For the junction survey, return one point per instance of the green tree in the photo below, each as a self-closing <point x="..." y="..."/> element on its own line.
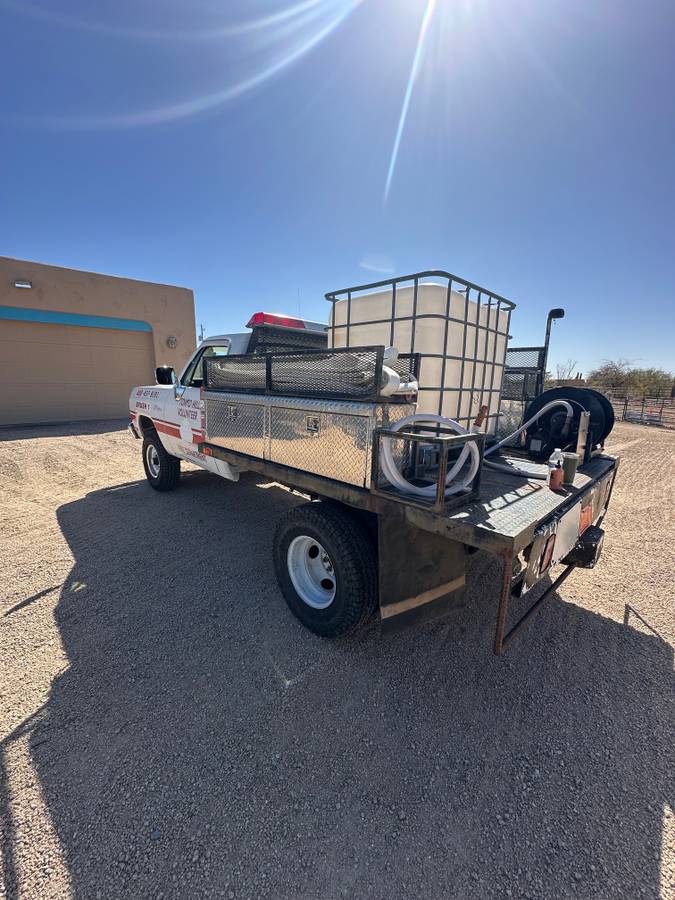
<point x="620" y="377"/>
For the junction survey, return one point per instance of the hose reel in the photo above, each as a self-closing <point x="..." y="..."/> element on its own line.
<point x="550" y="431"/>
<point x="551" y="420"/>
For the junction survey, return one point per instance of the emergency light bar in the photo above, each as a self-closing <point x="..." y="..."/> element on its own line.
<point x="263" y="318"/>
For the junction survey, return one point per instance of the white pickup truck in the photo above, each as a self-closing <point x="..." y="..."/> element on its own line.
<point x="398" y="508"/>
<point x="169" y="415"/>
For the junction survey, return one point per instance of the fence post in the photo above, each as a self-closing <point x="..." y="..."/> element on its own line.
<point x="642" y="414"/>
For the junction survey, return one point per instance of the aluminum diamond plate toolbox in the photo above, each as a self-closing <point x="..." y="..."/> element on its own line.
<point x="238" y="423"/>
<point x="331" y="438"/>
<point x="334" y="445"/>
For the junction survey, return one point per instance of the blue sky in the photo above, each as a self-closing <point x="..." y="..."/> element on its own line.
<point x="243" y="149"/>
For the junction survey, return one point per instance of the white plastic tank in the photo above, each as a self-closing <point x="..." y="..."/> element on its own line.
<point x="474" y="350"/>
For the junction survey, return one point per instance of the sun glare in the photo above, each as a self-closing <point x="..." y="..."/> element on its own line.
<point x="417" y="59"/>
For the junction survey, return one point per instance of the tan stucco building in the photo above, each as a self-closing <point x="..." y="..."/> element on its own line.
<point x="73" y="344"/>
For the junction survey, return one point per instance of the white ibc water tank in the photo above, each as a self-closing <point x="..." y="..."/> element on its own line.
<point x="473" y="351"/>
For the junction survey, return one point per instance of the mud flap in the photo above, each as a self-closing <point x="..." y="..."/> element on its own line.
<point x="421" y="575"/>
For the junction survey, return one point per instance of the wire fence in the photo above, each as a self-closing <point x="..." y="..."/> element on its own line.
<point x="658" y="411"/>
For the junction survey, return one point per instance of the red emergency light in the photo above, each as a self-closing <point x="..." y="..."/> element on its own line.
<point x="263" y="318"/>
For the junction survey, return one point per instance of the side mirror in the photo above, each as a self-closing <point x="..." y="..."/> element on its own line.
<point x="165" y="375"/>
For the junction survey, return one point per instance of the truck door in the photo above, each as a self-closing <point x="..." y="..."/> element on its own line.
<point x="184" y="414"/>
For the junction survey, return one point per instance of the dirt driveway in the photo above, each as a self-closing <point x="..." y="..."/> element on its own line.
<point x="168" y="729"/>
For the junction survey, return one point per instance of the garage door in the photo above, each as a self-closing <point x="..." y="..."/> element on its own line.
<point x="56" y="373"/>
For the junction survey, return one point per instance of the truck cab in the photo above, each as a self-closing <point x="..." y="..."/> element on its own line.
<point x="169" y="415"/>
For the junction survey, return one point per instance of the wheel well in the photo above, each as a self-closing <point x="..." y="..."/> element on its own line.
<point x="145" y="425"/>
<point x="367" y="519"/>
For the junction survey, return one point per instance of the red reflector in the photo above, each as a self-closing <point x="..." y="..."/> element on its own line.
<point x="207" y="451"/>
<point x="263" y="318"/>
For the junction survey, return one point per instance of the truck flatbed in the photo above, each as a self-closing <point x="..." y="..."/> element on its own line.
<point x="502" y="519"/>
<point x="509" y="509"/>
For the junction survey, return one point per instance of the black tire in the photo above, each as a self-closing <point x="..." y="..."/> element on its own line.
<point x="168" y="475"/>
<point x="352" y="554"/>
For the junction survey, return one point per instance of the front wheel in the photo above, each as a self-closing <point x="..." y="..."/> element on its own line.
<point x="326" y="567"/>
<point x="161" y="469"/>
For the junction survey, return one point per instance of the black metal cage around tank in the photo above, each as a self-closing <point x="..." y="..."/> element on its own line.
<point x="484" y="320"/>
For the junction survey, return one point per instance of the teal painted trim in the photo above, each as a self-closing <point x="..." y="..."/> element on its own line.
<point x="52" y="317"/>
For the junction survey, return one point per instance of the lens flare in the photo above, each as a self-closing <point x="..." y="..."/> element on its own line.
<point x="264" y="48"/>
<point x="417" y="59"/>
<point x="66" y="20"/>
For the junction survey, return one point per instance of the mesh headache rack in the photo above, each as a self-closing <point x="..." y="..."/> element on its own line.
<point x="353" y="373"/>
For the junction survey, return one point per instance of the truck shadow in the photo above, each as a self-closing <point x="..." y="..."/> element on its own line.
<point x="201" y="742"/>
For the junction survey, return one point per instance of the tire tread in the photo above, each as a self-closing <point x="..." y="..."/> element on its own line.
<point x="169" y="466"/>
<point x="356" y="564"/>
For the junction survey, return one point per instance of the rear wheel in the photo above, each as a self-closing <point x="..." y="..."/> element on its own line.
<point x="161" y="469"/>
<point x="325" y="563"/>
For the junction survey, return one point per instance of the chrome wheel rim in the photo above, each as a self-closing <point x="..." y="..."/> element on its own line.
<point x="311" y="571"/>
<point x="152" y="459"/>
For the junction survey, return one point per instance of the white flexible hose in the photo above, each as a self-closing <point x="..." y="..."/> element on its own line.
<point x="393" y="475"/>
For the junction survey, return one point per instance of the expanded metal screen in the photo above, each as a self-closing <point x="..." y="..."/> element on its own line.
<point x="272" y="339"/>
<point x="519" y="385"/>
<point x="353" y="374"/>
<point x="407" y="366"/>
<point x="525" y="358"/>
<point x="523" y="381"/>
<point x="236" y="373"/>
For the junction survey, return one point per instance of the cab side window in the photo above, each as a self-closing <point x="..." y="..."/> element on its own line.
<point x="193" y="376"/>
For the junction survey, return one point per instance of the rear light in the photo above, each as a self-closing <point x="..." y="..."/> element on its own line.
<point x="263" y="318"/>
<point x="586" y="518"/>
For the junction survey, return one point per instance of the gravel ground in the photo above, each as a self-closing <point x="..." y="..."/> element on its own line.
<point x="167" y="728"/>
